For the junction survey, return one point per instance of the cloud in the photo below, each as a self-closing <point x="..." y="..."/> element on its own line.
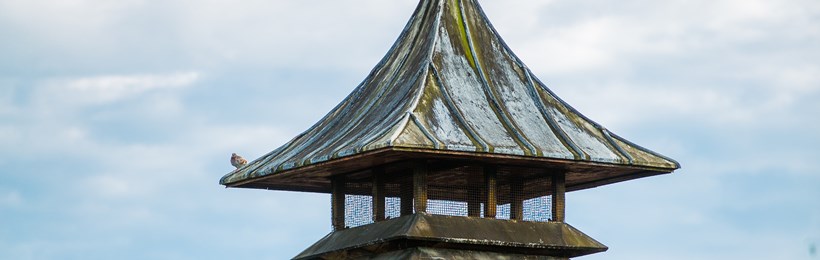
<point x="73" y="113"/>
<point x="716" y="62"/>
<point x="134" y="194"/>
<point x="127" y="35"/>
<point x="110" y="88"/>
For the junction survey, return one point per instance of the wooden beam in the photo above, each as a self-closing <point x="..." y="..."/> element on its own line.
<point x="559" y="189"/>
<point x="490" y="182"/>
<point x="337" y="202"/>
<point x="378" y="194"/>
<point x="517" y="198"/>
<point x="420" y="171"/>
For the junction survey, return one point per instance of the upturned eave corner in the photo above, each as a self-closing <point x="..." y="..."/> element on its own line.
<point x="228" y="179"/>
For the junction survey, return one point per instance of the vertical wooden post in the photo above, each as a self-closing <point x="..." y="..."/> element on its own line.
<point x="406" y="195"/>
<point x="337" y="202"/>
<point x="559" y="190"/>
<point x="475" y="183"/>
<point x="517" y="198"/>
<point x="490" y="172"/>
<point x="378" y="194"/>
<point x="420" y="171"/>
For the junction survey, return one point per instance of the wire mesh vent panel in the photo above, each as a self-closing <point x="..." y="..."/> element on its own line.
<point x="396" y="188"/>
<point x="538" y="208"/>
<point x="521" y="194"/>
<point x="455" y="192"/>
<point x="524" y="194"/>
<point x="358" y="204"/>
<point x="503" y="199"/>
<point x="392" y="207"/>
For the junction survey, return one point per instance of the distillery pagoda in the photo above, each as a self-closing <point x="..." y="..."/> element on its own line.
<point x="450" y="148"/>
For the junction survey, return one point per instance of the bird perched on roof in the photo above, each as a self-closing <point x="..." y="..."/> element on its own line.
<point x="237" y="161"/>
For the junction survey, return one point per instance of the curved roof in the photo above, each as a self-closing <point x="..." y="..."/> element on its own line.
<point x="451" y="85"/>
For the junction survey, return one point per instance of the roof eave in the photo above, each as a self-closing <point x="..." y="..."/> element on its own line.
<point x="315" y="177"/>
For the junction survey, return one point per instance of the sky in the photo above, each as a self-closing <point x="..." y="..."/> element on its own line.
<point x="117" y="119"/>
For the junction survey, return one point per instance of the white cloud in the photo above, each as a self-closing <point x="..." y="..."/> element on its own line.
<point x="285" y="34"/>
<point x="110" y="88"/>
<point x="589" y="36"/>
<point x="146" y="171"/>
<point x="210" y="33"/>
<point x="578" y="47"/>
<point x="725" y="62"/>
<point x="65" y="114"/>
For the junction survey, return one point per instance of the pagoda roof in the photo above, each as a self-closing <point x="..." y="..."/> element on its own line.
<point x="450" y="87"/>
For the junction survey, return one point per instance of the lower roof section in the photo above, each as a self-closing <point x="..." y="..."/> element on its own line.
<point x="447" y="235"/>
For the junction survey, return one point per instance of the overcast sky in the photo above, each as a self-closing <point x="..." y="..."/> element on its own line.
<point x="117" y="119"/>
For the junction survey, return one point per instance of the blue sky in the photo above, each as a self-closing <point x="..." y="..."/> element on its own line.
<point x="117" y="119"/>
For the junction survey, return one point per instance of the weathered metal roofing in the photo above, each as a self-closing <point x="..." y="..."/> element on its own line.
<point x="451" y="85"/>
<point x="477" y="235"/>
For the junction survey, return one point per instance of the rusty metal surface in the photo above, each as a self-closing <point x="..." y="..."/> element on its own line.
<point x="477" y="234"/>
<point x="450" y="84"/>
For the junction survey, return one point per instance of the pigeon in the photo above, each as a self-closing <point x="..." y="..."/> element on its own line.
<point x="237" y="161"/>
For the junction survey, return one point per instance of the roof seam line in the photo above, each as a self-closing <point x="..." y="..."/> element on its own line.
<point x="453" y="109"/>
<point x="673" y="161"/>
<point x="357" y="119"/>
<point x="424" y="131"/>
<point x="417" y="98"/>
<point x="421" y="90"/>
<point x="617" y="147"/>
<point x="508" y="124"/>
<point x="562" y="136"/>
<point x="434" y="39"/>
<point x="370" y="139"/>
<point x="402" y="125"/>
<point x="435" y="31"/>
<point x="345" y="106"/>
<point x="423" y="86"/>
<point x="284" y="148"/>
<point x="384" y="87"/>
